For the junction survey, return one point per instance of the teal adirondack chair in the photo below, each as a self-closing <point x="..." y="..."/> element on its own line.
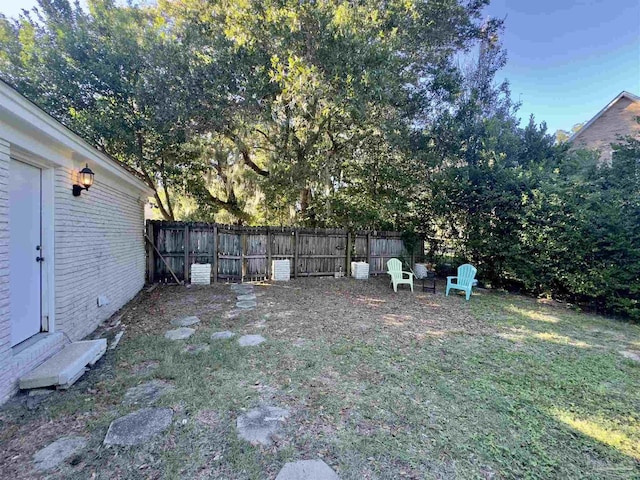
<point x="464" y="281"/>
<point x="394" y="268"/>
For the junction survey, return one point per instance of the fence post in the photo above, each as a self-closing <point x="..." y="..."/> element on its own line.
<point x="187" y="247"/>
<point x="215" y="253"/>
<point x="295" y="253"/>
<point x="369" y="250"/>
<point x="347" y="269"/>
<point x="243" y="252"/>
<point x="268" y="253"/>
<point x="151" y="254"/>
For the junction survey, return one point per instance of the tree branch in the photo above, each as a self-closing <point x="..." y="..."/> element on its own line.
<point x="246" y="157"/>
<point x="247" y="160"/>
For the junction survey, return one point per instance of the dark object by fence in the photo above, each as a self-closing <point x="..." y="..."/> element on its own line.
<point x="239" y="253"/>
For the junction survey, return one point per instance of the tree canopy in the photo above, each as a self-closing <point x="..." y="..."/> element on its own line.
<point x="364" y="114"/>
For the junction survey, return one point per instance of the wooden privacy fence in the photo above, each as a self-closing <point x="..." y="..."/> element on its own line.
<point x="245" y="253"/>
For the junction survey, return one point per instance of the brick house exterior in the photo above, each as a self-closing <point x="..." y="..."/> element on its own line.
<point x="616" y="120"/>
<point x="92" y="244"/>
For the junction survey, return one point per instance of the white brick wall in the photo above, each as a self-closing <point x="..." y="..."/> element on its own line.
<point x="99" y="251"/>
<point x="93" y="245"/>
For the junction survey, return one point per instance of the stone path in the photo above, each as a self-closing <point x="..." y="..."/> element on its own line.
<point x="260" y="424"/>
<point x="251" y="340"/>
<point x="222" y="335"/>
<point x="307" y="470"/>
<point x="246" y="297"/>
<point x="181" y="333"/>
<point x="631" y="354"/>
<point x="146" y="393"/>
<point x="57" y="452"/>
<point x="250" y="297"/>
<point x="138" y="427"/>
<point x="185" y="322"/>
<point x="246" y="304"/>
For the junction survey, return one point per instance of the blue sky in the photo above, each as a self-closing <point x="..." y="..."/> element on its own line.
<point x="566" y="58"/>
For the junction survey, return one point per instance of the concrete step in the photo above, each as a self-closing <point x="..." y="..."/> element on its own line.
<point x="66" y="366"/>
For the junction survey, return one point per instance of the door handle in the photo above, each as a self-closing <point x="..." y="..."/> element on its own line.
<point x="39" y="259"/>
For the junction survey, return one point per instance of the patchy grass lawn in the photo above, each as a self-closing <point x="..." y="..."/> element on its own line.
<point x="380" y="385"/>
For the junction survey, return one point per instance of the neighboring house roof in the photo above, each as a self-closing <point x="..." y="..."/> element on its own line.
<point x="22" y="109"/>
<point x="617" y="120"/>
<point x="623" y="94"/>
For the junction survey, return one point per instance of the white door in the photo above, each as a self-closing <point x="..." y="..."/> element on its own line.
<point x="24" y="250"/>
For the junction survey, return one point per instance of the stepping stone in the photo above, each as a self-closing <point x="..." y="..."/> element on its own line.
<point x="57" y="452"/>
<point x="244" y="292"/>
<point x="147" y="393"/>
<point x="185" y="322"/>
<point x="260" y="424"/>
<point x="307" y="470"/>
<point x="241" y="286"/>
<point x="251" y="297"/>
<point x="181" y="333"/>
<point x="251" y="340"/>
<point x="246" y="304"/>
<point x="194" y="349"/>
<point x="631" y="355"/>
<point x="222" y="335"/>
<point x="138" y="427"/>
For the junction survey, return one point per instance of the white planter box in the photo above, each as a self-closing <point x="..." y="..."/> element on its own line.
<point x="360" y="270"/>
<point x="280" y="270"/>
<point x="201" y="274"/>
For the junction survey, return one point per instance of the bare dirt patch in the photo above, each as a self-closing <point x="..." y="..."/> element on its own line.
<point x="317" y="308"/>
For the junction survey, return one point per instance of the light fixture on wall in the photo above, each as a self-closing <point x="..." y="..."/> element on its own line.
<point x="85" y="180"/>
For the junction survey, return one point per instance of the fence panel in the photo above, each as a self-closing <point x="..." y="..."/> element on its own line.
<point x="255" y="254"/>
<point x="229" y="254"/>
<point x="240" y="253"/>
<point x="170" y="242"/>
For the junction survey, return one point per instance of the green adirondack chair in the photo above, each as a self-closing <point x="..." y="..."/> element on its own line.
<point x="394" y="268"/>
<point x="464" y="281"/>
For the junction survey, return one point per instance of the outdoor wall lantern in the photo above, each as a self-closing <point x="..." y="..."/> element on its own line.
<point x="85" y="180"/>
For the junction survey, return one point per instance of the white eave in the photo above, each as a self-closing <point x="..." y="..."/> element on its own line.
<point x="25" y="116"/>
<point x="630" y="96"/>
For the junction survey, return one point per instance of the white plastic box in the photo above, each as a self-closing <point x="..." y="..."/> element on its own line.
<point x="280" y="270"/>
<point x="360" y="270"/>
<point x="201" y="274"/>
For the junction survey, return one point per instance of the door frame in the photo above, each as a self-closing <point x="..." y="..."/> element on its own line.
<point x="47" y="208"/>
